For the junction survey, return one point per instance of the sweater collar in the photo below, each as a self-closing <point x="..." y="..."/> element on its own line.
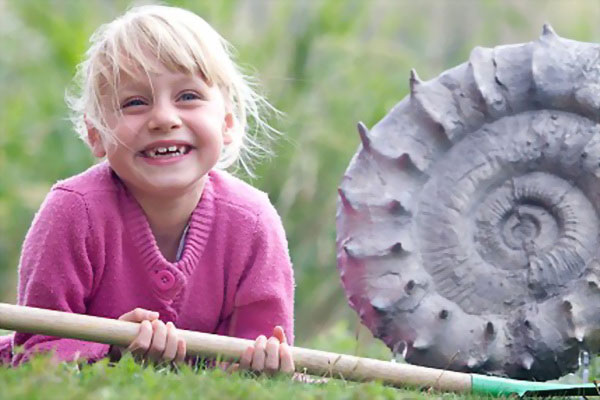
<point x="200" y="225"/>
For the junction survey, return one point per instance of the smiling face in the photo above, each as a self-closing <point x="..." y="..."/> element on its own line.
<point x="169" y="129"/>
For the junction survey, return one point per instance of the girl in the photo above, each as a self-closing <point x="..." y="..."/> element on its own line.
<point x="159" y="233"/>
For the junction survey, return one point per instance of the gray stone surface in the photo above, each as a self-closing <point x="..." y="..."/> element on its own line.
<point x="467" y="224"/>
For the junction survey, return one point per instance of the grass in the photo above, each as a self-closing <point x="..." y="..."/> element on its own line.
<point x="40" y="379"/>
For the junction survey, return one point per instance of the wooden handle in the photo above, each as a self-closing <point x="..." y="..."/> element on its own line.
<point x="321" y="363"/>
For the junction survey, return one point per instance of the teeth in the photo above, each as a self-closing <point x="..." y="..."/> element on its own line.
<point x="171" y="151"/>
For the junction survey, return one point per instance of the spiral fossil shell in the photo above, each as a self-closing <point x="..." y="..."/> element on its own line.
<point x="467" y="224"/>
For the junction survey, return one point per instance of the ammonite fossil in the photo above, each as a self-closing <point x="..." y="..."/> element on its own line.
<point x="467" y="225"/>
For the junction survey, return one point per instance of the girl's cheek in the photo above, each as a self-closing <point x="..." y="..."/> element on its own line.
<point x="131" y="125"/>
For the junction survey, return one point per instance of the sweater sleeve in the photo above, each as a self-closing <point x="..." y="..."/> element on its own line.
<point x="55" y="273"/>
<point x="265" y="292"/>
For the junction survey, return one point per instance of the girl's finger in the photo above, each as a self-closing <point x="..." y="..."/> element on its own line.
<point x="279" y="334"/>
<point x="181" y="350"/>
<point x="139" y="315"/>
<point x="286" y="361"/>
<point x="159" y="339"/>
<point x="171" y="343"/>
<point x="246" y="358"/>
<point x="272" y="355"/>
<point x="258" y="358"/>
<point x="141" y="343"/>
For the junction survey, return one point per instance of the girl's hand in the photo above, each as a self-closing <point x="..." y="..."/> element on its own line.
<point x="156" y="341"/>
<point x="271" y="356"/>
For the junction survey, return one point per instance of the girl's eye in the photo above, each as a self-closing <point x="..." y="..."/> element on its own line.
<point x="187" y="96"/>
<point x="133" y="103"/>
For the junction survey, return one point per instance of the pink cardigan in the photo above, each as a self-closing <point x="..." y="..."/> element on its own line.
<point x="90" y="250"/>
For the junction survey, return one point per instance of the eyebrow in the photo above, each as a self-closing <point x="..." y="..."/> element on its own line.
<point x="190" y="78"/>
<point x="135" y="85"/>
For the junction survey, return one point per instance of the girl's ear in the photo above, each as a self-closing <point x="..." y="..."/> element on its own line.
<point x="228" y="125"/>
<point x="95" y="140"/>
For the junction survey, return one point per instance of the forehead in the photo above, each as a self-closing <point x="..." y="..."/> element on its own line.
<point x="131" y="75"/>
<point x="164" y="77"/>
<point x="146" y="61"/>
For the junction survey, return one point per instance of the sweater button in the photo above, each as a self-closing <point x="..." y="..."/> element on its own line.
<point x="164" y="280"/>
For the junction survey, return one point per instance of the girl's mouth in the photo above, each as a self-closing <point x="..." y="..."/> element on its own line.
<point x="167" y="152"/>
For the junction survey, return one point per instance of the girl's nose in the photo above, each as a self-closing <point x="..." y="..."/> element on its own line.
<point x="164" y="119"/>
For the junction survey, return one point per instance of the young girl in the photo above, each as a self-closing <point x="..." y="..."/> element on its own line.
<point x="159" y="233"/>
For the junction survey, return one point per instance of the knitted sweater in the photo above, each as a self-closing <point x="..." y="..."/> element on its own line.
<point x="90" y="250"/>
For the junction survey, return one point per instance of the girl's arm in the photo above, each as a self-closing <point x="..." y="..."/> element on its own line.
<point x="55" y="272"/>
<point x="265" y="294"/>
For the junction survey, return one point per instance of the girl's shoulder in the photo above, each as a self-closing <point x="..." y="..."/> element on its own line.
<point x="79" y="201"/>
<point x="232" y="192"/>
<point x="95" y="190"/>
<point x="97" y="179"/>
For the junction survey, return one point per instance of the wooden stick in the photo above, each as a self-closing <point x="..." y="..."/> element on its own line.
<point x="321" y="363"/>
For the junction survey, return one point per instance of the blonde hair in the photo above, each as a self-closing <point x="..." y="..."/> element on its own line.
<point x="181" y="41"/>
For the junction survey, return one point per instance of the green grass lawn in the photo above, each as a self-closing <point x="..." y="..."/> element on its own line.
<point x="39" y="379"/>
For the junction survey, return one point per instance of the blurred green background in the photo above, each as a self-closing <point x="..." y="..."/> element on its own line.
<point x="325" y="64"/>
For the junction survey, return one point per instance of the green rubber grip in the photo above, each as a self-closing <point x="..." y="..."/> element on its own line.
<point x="495" y="386"/>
